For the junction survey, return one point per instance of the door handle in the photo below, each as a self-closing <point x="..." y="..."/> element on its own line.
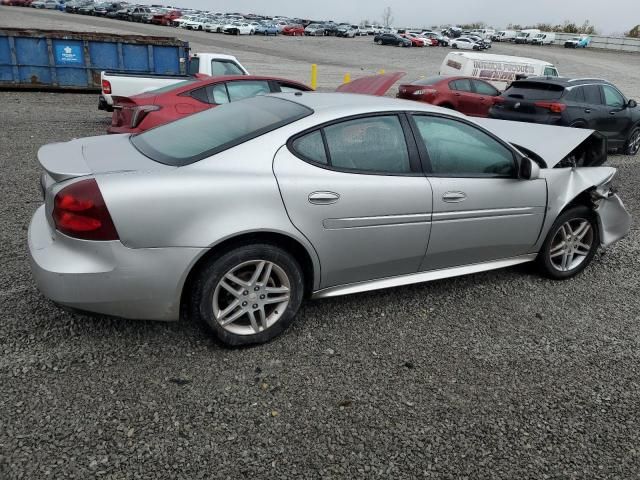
<point x="612" y="113"/>
<point x="454" y="197"/>
<point x="587" y="110"/>
<point x="323" y="198"/>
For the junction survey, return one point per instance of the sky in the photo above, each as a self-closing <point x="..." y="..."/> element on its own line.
<point x="610" y="16"/>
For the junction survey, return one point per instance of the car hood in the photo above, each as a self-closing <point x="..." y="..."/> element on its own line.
<point x="376" y="85"/>
<point x="553" y="144"/>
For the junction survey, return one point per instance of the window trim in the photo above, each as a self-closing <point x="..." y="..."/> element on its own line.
<point x="424" y="154"/>
<point x="412" y="149"/>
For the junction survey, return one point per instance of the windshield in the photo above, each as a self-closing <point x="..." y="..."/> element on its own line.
<point x="204" y="134"/>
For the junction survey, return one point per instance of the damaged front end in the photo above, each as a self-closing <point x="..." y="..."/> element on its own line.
<point x="613" y="219"/>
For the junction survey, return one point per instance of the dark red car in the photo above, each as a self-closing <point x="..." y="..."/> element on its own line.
<point x="141" y="112"/>
<point x="468" y="95"/>
<point x="293" y="30"/>
<point x="167" y="18"/>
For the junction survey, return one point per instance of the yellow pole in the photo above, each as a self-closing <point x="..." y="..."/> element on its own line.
<point x="381" y="72"/>
<point x="314" y="76"/>
<point x="347" y="78"/>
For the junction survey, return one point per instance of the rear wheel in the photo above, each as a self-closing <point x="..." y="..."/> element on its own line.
<point x="379" y="42"/>
<point x="570" y="245"/>
<point x="248" y="295"/>
<point x="632" y="146"/>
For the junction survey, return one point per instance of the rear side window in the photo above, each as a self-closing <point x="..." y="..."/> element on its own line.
<point x="373" y="144"/>
<point x="592" y="94"/>
<point x="218" y="94"/>
<point x="462" y="85"/>
<point x="535" y="91"/>
<point x="576" y="95"/>
<point x="311" y="147"/>
<point x="204" y="134"/>
<point x="225" y="67"/>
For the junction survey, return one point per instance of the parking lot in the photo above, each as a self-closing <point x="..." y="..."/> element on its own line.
<point x="503" y="374"/>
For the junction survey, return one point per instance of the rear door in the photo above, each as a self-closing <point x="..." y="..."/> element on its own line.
<point x="481" y="210"/>
<point x="355" y="189"/>
<point x="484" y="95"/>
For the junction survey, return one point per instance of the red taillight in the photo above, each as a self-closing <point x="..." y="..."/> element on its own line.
<point x="552" y="106"/>
<point x="80" y="212"/>
<point x="140" y="112"/>
<point x="106" y="87"/>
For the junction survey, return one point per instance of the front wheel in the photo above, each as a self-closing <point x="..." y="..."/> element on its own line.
<point x="570" y="244"/>
<point x="379" y="42"/>
<point x="248" y="295"/>
<point x="632" y="146"/>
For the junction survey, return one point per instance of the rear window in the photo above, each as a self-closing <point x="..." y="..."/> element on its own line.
<point x="204" y="134"/>
<point x="427" y="81"/>
<point x="534" y="91"/>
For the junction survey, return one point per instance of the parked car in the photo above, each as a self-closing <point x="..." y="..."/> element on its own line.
<point x="236" y="214"/>
<point x="128" y="85"/>
<point x="314" y="29"/>
<point x="166" y="18"/>
<point x="103" y="9"/>
<point x="464" y="43"/>
<point x="392" y="39"/>
<point x="48" y="4"/>
<point x="467" y="95"/>
<point x="582" y="103"/>
<point x="484" y="43"/>
<point x="330" y="28"/>
<point x="544" y="38"/>
<point x="348" y="31"/>
<point x="267" y="29"/>
<point x="138" y="14"/>
<point x="238" y="28"/>
<point x="196" y="22"/>
<point x="578" y="42"/>
<point x="148" y="110"/>
<point x="499" y="70"/>
<point x="416" y="41"/>
<point x="441" y="40"/>
<point x="293" y="30"/>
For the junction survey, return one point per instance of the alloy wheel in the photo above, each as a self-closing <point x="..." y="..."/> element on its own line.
<point x="571" y="244"/>
<point x="634" y="143"/>
<point x="251" y="297"/>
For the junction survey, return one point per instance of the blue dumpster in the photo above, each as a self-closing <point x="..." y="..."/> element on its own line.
<point x="59" y="59"/>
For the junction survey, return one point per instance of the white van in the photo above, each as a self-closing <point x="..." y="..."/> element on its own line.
<point x="525" y="36"/>
<point x="504" y="36"/>
<point x="543" y="38"/>
<point x="500" y="70"/>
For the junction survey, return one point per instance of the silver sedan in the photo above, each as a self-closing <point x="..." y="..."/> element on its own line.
<point x="240" y="212"/>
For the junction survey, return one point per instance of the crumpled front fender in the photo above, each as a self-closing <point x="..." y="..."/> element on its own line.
<point x="613" y="219"/>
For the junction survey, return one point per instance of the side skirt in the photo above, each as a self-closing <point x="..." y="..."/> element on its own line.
<point x="421" y="277"/>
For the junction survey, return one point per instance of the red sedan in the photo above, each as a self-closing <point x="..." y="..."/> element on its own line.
<point x="141" y="112"/>
<point x="468" y="95"/>
<point x="293" y="30"/>
<point x="167" y="18"/>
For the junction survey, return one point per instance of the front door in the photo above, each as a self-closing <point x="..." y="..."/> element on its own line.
<point x="481" y="211"/>
<point x="616" y="119"/>
<point x="355" y="190"/>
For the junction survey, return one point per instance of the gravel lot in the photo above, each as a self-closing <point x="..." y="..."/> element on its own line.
<point x="497" y="375"/>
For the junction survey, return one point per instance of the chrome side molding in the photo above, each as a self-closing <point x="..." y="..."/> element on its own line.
<point x="421" y="277"/>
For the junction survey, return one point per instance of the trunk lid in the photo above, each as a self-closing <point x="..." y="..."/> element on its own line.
<point x="376" y="85"/>
<point x="92" y="156"/>
<point x="125" y="107"/>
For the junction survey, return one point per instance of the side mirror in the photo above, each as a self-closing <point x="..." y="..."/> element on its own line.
<point x="632" y="104"/>
<point x="528" y="169"/>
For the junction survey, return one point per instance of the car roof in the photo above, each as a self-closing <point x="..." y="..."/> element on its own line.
<point x="565" y="81"/>
<point x="342" y="104"/>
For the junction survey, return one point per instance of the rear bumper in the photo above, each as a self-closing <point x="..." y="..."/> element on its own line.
<point x="108" y="277"/>
<point x="502" y="114"/>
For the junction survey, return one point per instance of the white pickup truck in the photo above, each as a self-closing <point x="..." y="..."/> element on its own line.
<point x="129" y="84"/>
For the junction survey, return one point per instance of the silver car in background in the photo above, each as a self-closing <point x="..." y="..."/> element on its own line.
<point x="240" y="212"/>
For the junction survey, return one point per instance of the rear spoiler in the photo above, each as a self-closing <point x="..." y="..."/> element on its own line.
<point x="555" y="146"/>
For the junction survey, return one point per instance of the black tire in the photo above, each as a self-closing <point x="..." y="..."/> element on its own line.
<point x="213" y="272"/>
<point x="634" y="136"/>
<point x="544" y="261"/>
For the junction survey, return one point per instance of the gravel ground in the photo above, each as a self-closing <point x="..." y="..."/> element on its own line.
<point x="497" y="375"/>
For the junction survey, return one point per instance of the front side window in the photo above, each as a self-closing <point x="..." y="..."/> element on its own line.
<point x="458" y="149"/>
<point x="484" y="88"/>
<point x="612" y="97"/>
<point x="550" y="72"/>
<point x="245" y="89"/>
<point x="374" y="144"/>
<point x="225" y="67"/>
